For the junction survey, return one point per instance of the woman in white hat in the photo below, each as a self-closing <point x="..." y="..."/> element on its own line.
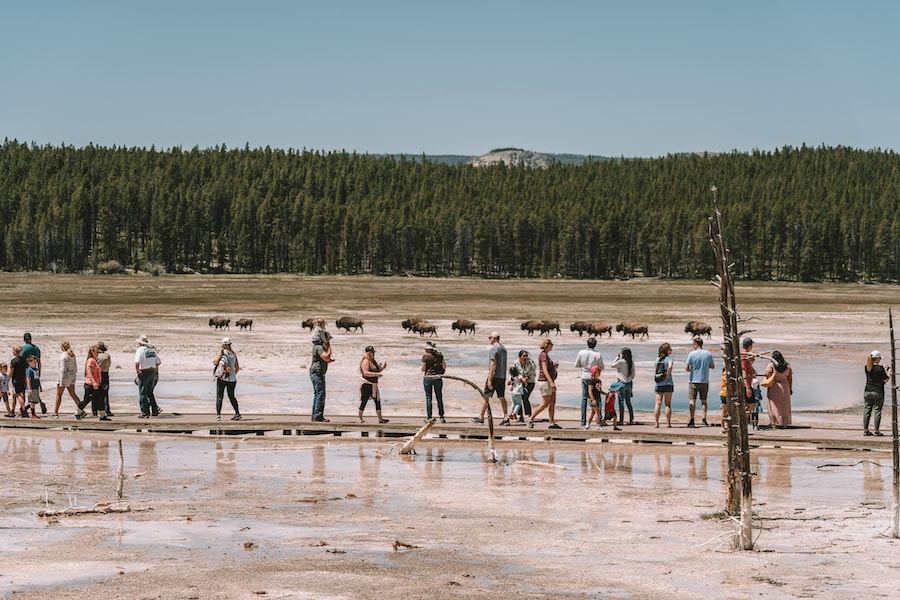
<point x="226" y="370"/>
<point x="876" y="377"/>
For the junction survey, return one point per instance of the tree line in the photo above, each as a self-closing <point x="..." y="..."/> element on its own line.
<point x="800" y="214"/>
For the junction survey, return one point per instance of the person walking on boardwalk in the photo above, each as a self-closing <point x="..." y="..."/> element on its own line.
<point x="698" y="364"/>
<point x="664" y="386"/>
<point x="321" y="357"/>
<point x="68" y="371"/>
<point x="146" y="364"/>
<point x="873" y="395"/>
<point x="18" y="368"/>
<point x="105" y="362"/>
<point x="92" y="381"/>
<point x="496" y="379"/>
<point x="29" y="349"/>
<point x="624" y="365"/>
<point x="586" y="360"/>
<point x="225" y="371"/>
<point x="433" y="366"/>
<point x="370" y="371"/>
<point x="547" y="371"/>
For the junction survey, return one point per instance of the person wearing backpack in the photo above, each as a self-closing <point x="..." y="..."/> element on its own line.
<point x="433" y="366"/>
<point x="664" y="384"/>
<point x="225" y="372"/>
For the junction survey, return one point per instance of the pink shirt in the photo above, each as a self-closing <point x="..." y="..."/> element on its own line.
<point x="92" y="373"/>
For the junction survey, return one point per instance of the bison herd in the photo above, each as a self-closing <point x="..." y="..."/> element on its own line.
<point x="461" y="326"/>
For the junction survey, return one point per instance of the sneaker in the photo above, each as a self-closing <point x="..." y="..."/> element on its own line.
<point x="443" y="420"/>
<point x="218" y="417"/>
<point x="504" y="423"/>
<point x="156" y="412"/>
<point x="588" y="427"/>
<point x="109" y="414"/>
<point x="54" y="416"/>
<point x="144" y="417"/>
<point x="555" y="426"/>
<point x="530" y="424"/>
<point x="321" y="421"/>
<point x="236" y="418"/>
<point x="478" y="420"/>
<point x="78" y="416"/>
<point x="34" y="416"/>
<point x="43" y="408"/>
<point x="599" y="428"/>
<point x="10" y="415"/>
<point x="691" y="423"/>
<point x="384" y="420"/>
<point x="705" y="424"/>
<point x="105" y="418"/>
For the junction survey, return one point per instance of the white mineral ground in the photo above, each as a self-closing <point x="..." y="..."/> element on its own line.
<point x="311" y="517"/>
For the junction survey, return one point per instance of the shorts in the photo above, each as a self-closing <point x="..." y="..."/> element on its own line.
<point x="698" y="389"/>
<point x="499" y="387"/>
<point x="65" y="380"/>
<point x="34" y="397"/>
<point x="665" y="389"/>
<point x="545" y="388"/>
<point x="723" y="400"/>
<point x="610" y="414"/>
<point x="19" y="388"/>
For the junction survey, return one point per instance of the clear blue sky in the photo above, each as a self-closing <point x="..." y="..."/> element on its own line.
<point x="607" y="78"/>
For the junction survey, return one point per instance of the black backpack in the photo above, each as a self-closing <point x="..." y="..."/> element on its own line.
<point x="438" y="363"/>
<point x="660" y="373"/>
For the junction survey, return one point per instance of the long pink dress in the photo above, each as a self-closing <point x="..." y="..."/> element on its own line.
<point x="779" y="396"/>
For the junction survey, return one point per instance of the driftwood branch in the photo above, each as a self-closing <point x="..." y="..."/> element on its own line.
<point x="409" y="446"/>
<point x="490" y="417"/>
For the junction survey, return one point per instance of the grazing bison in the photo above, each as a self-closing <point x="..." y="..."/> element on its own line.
<point x="462" y="325"/>
<point x="633" y="329"/>
<point x="220" y="323"/>
<point x="547" y="326"/>
<point x="308" y="324"/>
<point x="244" y="324"/>
<point x="698" y="328"/>
<point x="531" y="326"/>
<point x="409" y="323"/>
<point x="599" y="329"/>
<point x="579" y="326"/>
<point x="423" y="327"/>
<point x="348" y="323"/>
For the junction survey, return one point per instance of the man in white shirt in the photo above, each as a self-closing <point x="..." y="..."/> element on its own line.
<point x="146" y="364"/>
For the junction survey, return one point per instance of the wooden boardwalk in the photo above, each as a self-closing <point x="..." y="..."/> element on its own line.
<point x="458" y="428"/>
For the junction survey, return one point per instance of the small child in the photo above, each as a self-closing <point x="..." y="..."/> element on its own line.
<point x="723" y="398"/>
<point x="516" y="392"/>
<point x="4" y="387"/>
<point x="595" y="394"/>
<point x="33" y="387"/>
<point x="611" y="404"/>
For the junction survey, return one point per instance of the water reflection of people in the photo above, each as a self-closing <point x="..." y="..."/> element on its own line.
<point x="778" y="471"/>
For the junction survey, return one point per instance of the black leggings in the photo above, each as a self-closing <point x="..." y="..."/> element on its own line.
<point x="366" y="392"/>
<point x="221" y="386"/>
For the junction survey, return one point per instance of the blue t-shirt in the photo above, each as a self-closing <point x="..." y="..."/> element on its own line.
<point x="668" y="380"/>
<point x="700" y="361"/>
<point x="34" y="377"/>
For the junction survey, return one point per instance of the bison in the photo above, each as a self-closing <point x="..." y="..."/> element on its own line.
<point x="547" y="326"/>
<point x="308" y="324"/>
<point x="348" y="323"/>
<point x="531" y="326"/>
<point x="409" y="323"/>
<point x="219" y="322"/>
<point x="423" y="327"/>
<point x="599" y="329"/>
<point x="579" y="326"/>
<point x="633" y="329"/>
<point x="245" y="324"/>
<point x="462" y="325"/>
<point x="698" y="328"/>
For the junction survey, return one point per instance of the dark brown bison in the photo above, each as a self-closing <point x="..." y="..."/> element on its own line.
<point x="308" y="324"/>
<point x="599" y="329"/>
<point x="547" y="326"/>
<point x="220" y="322"/>
<point x="348" y="323"/>
<point x="698" y="328"/>
<point x="409" y="323"/>
<point x="579" y="326"/>
<point x="633" y="329"/>
<point x="462" y="325"/>
<point x="423" y="327"/>
<point x="244" y="324"/>
<point x="531" y="326"/>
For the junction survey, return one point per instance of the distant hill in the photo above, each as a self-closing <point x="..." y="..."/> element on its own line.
<point x="510" y="156"/>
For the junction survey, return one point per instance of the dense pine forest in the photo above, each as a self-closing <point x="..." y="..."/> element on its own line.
<point x="802" y="214"/>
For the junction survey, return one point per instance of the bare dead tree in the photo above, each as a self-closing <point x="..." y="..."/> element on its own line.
<point x="895" y="495"/>
<point x="739" y="493"/>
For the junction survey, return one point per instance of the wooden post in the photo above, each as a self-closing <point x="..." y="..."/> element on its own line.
<point x="739" y="492"/>
<point x="121" y="479"/>
<point x="895" y="495"/>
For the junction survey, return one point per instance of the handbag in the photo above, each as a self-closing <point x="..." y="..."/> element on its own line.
<point x="768" y="381"/>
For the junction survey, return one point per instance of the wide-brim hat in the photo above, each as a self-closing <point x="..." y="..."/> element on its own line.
<point x="143" y="340"/>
